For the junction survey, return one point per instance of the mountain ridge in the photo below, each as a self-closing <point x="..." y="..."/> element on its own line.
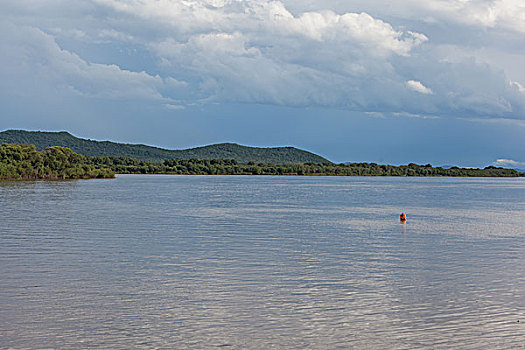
<point x="227" y="150"/>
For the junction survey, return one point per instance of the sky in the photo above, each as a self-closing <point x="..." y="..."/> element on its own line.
<point x="434" y="81"/>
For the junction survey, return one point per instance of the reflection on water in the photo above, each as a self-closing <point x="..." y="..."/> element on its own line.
<point x="262" y="262"/>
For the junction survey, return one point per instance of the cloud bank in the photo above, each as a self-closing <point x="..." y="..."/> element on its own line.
<point x="509" y="163"/>
<point x="508" y="14"/>
<point x="505" y="14"/>
<point x="255" y="51"/>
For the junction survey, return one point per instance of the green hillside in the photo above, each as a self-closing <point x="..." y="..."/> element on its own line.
<point x="242" y="154"/>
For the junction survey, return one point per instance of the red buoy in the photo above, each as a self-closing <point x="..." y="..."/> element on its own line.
<point x="403" y="217"/>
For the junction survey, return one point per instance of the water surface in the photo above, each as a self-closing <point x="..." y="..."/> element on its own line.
<point x="245" y="262"/>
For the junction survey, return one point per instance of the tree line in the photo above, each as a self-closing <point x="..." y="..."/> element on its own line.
<point x="24" y="162"/>
<point x="123" y="165"/>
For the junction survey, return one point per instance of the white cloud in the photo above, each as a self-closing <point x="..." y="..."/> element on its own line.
<point x="504" y="14"/>
<point x="34" y="56"/>
<point x="508" y="14"/>
<point x="412" y="115"/>
<point x="520" y="87"/>
<point x="257" y="51"/>
<point x="267" y="21"/>
<point x="509" y="163"/>
<point x="112" y="34"/>
<point x="418" y="87"/>
<point x="174" y="107"/>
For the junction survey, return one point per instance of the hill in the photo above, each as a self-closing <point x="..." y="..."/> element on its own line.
<point x="242" y="154"/>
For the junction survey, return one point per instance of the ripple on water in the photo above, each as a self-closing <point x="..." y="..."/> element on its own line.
<point x="262" y="262"/>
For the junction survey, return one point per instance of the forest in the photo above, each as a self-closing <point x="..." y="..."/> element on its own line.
<point x="21" y="162"/>
<point x="242" y="154"/>
<point x="24" y="162"/>
<point x="123" y="165"/>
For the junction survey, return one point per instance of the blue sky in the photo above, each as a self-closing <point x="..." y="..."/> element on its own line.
<point x="436" y="81"/>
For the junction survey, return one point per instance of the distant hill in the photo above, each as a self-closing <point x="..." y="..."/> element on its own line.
<point x="242" y="154"/>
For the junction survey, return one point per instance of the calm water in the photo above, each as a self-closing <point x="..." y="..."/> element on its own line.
<point x="176" y="262"/>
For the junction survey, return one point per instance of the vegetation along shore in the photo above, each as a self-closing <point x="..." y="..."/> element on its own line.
<point x="60" y="155"/>
<point x="124" y="165"/>
<point x="24" y="162"/>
